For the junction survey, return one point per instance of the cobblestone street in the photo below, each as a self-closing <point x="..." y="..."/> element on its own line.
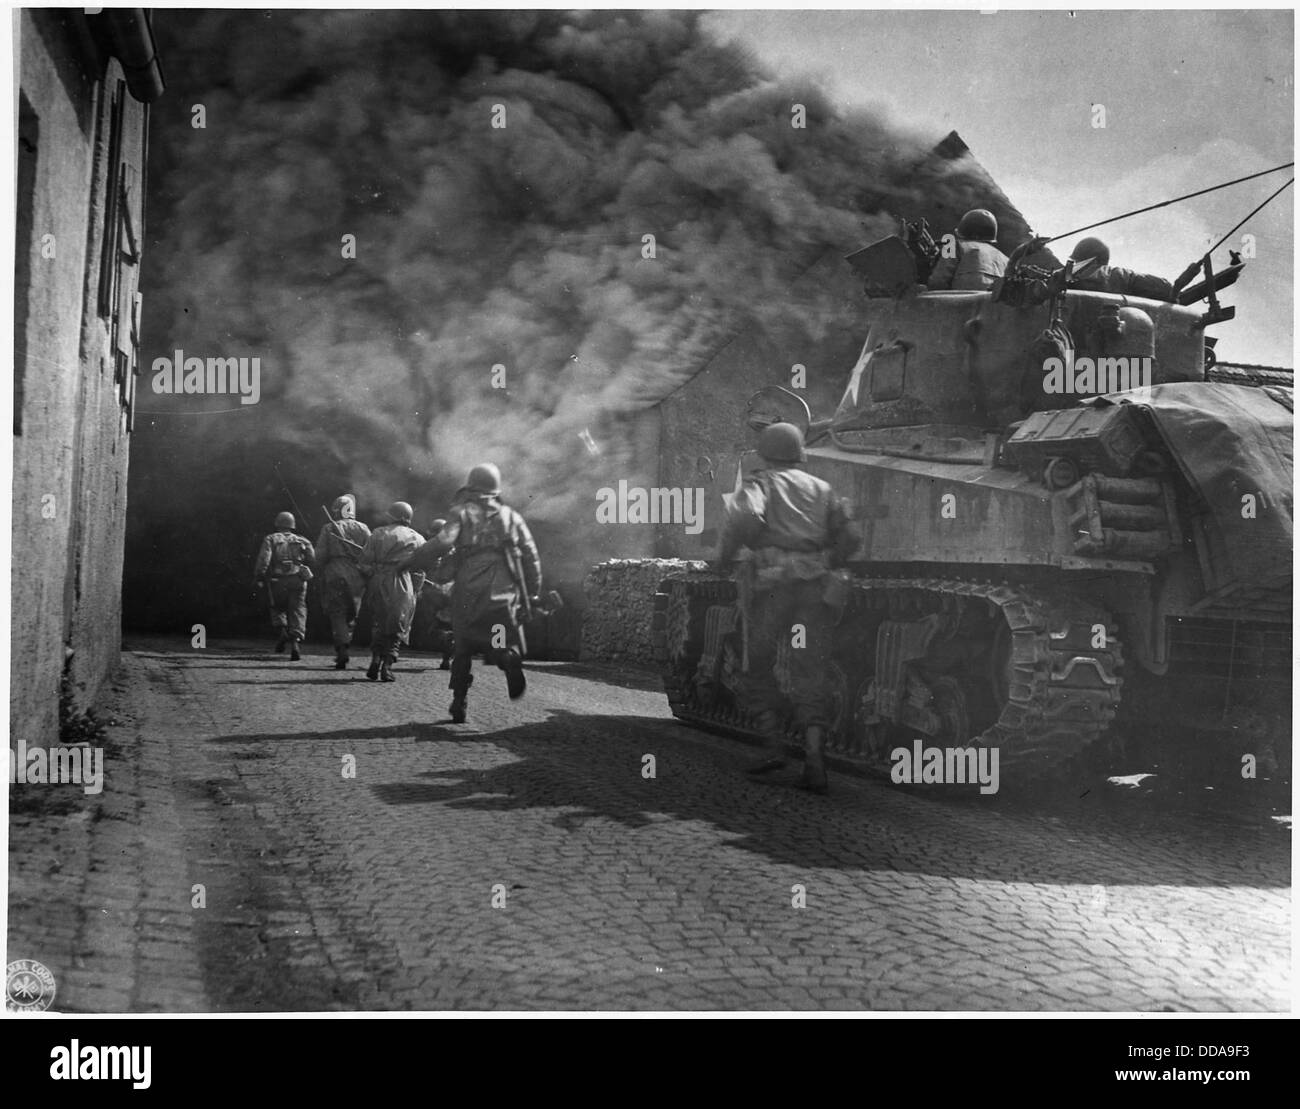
<point x="523" y="861"/>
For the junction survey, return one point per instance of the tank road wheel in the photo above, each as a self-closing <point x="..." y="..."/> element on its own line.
<point x="693" y="633"/>
<point x="1036" y="676"/>
<point x="950" y="704"/>
<point x="676" y="635"/>
<point x="841" y="705"/>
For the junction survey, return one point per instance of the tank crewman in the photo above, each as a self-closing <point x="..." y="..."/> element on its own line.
<point x="797" y="530"/>
<point x="1101" y="277"/>
<point x="283" y="567"/>
<point x="338" y="555"/>
<point x="391" y="589"/>
<point x="978" y="263"/>
<point x="497" y="573"/>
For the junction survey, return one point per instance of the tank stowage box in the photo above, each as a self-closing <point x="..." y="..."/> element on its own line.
<point x="1104" y="440"/>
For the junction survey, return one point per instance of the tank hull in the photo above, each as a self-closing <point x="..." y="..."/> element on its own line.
<point x="1025" y="557"/>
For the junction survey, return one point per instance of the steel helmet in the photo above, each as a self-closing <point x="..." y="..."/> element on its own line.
<point x="484" y="478"/>
<point x="436" y="527"/>
<point x="1137" y="333"/>
<point x="345" y="506"/>
<point x="285" y="520"/>
<point x="979" y="224"/>
<point x="781" y="443"/>
<point x="400" y="512"/>
<point x="1091" y="247"/>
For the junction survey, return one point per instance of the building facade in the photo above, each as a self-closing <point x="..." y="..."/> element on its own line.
<point x="85" y="82"/>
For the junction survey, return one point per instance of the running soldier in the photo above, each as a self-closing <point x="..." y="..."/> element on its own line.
<point x="283" y="568"/>
<point x="392" y="589"/>
<point x="497" y="573"/>
<point x="436" y="598"/>
<point x="797" y="531"/>
<point x="338" y="554"/>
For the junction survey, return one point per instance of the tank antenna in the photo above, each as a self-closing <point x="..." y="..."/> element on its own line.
<point x="1175" y="200"/>
<point x="1225" y="237"/>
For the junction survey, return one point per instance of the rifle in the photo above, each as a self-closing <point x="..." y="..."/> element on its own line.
<point x="338" y="531"/>
<point x="736" y="532"/>
<point x="301" y="515"/>
<point x="532" y="607"/>
<point x="516" y="569"/>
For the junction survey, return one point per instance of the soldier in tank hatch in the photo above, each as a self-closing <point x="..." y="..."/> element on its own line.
<point x="338" y="557"/>
<point x="283" y="568"/>
<point x="797" y="530"/>
<point x="1092" y="262"/>
<point x="976" y="262"/>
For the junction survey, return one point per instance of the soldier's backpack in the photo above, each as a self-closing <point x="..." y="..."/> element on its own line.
<point x="288" y="556"/>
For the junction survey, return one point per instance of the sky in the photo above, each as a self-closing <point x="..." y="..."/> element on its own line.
<point x="1190" y="99"/>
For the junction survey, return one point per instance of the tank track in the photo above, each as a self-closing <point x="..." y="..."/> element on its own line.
<point x="1061" y="692"/>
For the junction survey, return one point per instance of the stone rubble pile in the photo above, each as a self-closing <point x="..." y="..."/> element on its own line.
<point x="620" y="603"/>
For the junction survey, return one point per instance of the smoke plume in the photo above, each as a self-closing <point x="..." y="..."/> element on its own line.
<point x="476" y="247"/>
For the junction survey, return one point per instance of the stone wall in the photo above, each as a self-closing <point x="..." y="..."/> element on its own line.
<point x="82" y="139"/>
<point x="620" y="603"/>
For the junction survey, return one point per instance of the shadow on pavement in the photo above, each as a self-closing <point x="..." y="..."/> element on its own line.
<point x="590" y="766"/>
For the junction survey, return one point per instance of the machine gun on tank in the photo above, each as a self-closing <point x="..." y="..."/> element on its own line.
<point x="897" y="264"/>
<point x="925" y="251"/>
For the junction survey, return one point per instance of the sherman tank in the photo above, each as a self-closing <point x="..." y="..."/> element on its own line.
<point x="1044" y="548"/>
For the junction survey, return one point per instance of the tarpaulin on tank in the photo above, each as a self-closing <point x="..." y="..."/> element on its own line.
<point x="1231" y="442"/>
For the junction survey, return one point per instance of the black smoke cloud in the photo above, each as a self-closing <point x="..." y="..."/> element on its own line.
<point x="476" y="246"/>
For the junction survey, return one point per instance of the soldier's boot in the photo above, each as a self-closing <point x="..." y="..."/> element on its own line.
<point x="372" y="672"/>
<point x="445" y="664"/>
<point x="294" y="654"/>
<point x="516" y="683"/>
<point x="341" y="657"/>
<point x="386" y="669"/>
<point x="458" y="692"/>
<point x="768" y="723"/>
<point x="281" y="644"/>
<point x="814" y="763"/>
